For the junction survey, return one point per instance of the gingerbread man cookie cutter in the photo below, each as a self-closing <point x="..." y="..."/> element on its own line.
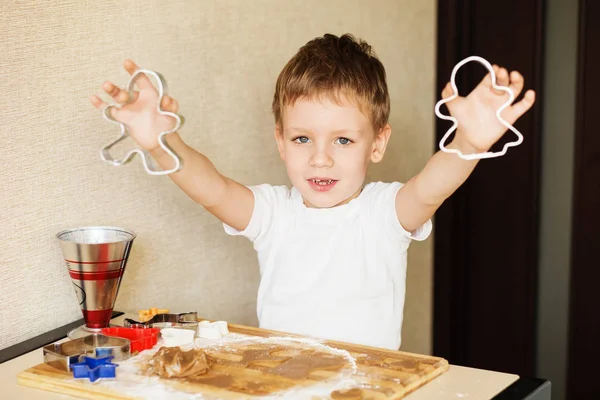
<point x="511" y="98"/>
<point x="146" y="158"/>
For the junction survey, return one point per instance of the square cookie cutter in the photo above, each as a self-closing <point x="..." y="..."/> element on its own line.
<point x="63" y="355"/>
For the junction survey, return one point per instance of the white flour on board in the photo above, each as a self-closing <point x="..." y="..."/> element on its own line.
<point x="132" y="383"/>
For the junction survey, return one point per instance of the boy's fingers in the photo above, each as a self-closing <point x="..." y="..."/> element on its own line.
<point x="97" y="102"/>
<point x="502" y="77"/>
<point x="447" y="91"/>
<point x="141" y="80"/>
<point x="520" y="108"/>
<point x="122" y="97"/>
<point x="516" y="83"/>
<point x="135" y="96"/>
<point x="169" y="104"/>
<point x="486" y="82"/>
<point x="130" y="66"/>
<point x="487" y="79"/>
<point x="115" y="92"/>
<point x="501" y="80"/>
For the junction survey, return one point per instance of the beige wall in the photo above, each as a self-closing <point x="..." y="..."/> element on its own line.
<point x="221" y="59"/>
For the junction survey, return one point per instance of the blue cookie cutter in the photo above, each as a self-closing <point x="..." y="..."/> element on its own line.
<point x="94" y="368"/>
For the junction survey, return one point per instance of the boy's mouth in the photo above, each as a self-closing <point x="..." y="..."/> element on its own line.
<point x="321" y="184"/>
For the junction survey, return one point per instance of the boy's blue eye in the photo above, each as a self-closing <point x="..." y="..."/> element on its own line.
<point x="301" y="139"/>
<point x="343" y="141"/>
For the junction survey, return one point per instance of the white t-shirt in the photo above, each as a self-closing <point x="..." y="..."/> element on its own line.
<point x="336" y="273"/>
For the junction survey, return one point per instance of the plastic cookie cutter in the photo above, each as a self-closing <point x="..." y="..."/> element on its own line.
<point x="140" y="338"/>
<point x="146" y="158"/>
<point x="94" y="368"/>
<point x="177" y="336"/>
<point x="183" y="320"/>
<point x="64" y="355"/>
<point x="145" y="315"/>
<point x="212" y="330"/>
<point x="511" y="94"/>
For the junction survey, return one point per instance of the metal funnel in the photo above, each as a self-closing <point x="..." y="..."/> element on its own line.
<point x="96" y="257"/>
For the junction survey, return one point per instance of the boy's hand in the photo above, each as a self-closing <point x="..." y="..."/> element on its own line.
<point x="139" y="113"/>
<point x="478" y="128"/>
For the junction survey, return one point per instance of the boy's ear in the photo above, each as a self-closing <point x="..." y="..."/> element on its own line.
<point x="279" y="139"/>
<point x="380" y="143"/>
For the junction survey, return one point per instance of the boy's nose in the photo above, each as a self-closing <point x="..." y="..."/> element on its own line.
<point x="321" y="159"/>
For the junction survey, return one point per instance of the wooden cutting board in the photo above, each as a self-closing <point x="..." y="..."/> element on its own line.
<point x="262" y="363"/>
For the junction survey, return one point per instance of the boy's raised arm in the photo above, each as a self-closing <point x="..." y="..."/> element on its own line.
<point x="230" y="201"/>
<point x="478" y="129"/>
<point x="421" y="196"/>
<point x="225" y="198"/>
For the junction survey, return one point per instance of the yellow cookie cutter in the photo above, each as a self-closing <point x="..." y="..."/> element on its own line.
<point x="147" y="315"/>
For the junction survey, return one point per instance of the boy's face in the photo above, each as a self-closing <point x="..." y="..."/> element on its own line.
<point x="327" y="149"/>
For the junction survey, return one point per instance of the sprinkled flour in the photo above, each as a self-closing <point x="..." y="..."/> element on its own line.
<point x="131" y="382"/>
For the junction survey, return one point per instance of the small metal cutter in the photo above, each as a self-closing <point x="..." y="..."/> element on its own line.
<point x="63" y="355"/>
<point x="182" y="320"/>
<point x="146" y="158"/>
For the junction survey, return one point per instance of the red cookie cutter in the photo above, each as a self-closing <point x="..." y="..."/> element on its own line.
<point x="140" y="338"/>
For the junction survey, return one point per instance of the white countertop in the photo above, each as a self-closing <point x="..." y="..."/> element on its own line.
<point x="456" y="383"/>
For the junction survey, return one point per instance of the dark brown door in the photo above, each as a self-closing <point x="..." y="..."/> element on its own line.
<point x="584" y="324"/>
<point x="486" y="234"/>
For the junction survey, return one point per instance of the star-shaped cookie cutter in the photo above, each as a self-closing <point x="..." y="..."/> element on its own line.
<point x="488" y="154"/>
<point x="94" y="368"/>
<point x="146" y="158"/>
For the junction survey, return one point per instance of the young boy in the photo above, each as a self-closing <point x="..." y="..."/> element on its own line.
<point x="332" y="250"/>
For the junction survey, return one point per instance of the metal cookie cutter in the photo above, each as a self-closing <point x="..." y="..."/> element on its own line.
<point x="489" y="154"/>
<point x="64" y="355"/>
<point x="146" y="158"/>
<point x="183" y="320"/>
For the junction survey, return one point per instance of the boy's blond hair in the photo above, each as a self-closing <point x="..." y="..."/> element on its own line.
<point x="334" y="66"/>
